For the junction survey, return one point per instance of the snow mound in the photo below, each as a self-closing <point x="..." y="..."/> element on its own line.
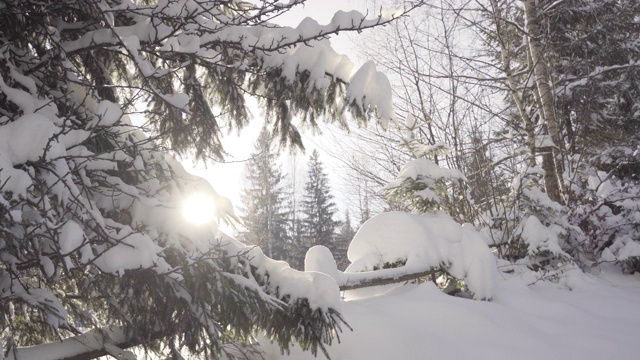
<point x="430" y="240"/>
<point x="543" y="321"/>
<point x="320" y="259"/>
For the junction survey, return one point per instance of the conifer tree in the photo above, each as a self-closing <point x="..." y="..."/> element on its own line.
<point x="299" y="246"/>
<point x="343" y="239"/>
<point x="318" y="208"/>
<point x="92" y="238"/>
<point x="264" y="215"/>
<point x="296" y="250"/>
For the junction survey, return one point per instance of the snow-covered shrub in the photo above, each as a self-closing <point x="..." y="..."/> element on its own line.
<point x="422" y="184"/>
<point x="527" y="227"/>
<point x="606" y="207"/>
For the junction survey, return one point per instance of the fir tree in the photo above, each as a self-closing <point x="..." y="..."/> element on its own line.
<point x="296" y="249"/>
<point x="265" y="216"/>
<point x="92" y="238"/>
<point x="318" y="208"/>
<point x="343" y="239"/>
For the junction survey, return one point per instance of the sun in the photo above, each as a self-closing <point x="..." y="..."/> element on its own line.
<point x="198" y="208"/>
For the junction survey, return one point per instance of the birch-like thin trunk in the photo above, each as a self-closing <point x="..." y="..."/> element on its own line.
<point x="553" y="182"/>
<point x="513" y="88"/>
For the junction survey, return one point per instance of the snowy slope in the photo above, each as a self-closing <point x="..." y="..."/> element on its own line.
<point x="597" y="319"/>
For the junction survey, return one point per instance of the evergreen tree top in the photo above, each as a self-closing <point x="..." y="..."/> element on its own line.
<point x="318" y="206"/>
<point x="264" y="210"/>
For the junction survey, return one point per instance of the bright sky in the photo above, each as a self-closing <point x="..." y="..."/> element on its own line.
<point x="228" y="178"/>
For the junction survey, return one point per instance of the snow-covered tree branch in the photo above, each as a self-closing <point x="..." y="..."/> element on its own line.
<point x="91" y="234"/>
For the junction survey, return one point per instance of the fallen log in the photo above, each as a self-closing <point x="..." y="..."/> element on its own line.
<point x="352" y="281"/>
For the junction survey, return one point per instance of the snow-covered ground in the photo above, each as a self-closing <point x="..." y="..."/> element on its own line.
<point x="587" y="317"/>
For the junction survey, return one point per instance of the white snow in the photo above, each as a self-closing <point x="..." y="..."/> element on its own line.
<point x="370" y="88"/>
<point x="47" y="266"/>
<point x="543" y="141"/>
<point x="71" y="237"/>
<point x="425" y="241"/>
<point x="540" y="237"/>
<point x="25" y="139"/>
<point x="180" y="100"/>
<point x="321" y="290"/>
<point x="527" y="317"/>
<point x="426" y="172"/>
<point x="320" y="259"/>
<point x="598" y="319"/>
<point x="133" y="251"/>
<point x="108" y="114"/>
<point x="630" y="249"/>
<point x="410" y="123"/>
<point x="423" y="168"/>
<point x="28" y="104"/>
<point x="291" y="49"/>
<point x="70" y="347"/>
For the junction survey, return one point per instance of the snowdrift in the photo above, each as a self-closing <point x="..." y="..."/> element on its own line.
<point x="425" y="241"/>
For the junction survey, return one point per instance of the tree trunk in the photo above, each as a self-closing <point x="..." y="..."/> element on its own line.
<point x="513" y="88"/>
<point x="352" y="281"/>
<point x="553" y="181"/>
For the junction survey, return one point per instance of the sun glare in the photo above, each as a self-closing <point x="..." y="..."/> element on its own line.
<point x="198" y="209"/>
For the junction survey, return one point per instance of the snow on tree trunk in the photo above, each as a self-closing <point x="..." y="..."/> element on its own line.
<point x="513" y="88"/>
<point x="553" y="181"/>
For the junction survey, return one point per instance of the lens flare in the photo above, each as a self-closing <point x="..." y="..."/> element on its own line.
<point x="198" y="209"/>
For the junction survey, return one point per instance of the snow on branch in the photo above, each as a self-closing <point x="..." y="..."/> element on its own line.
<point x="90" y="205"/>
<point x="242" y="42"/>
<point x="90" y="345"/>
<point x="421" y="244"/>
